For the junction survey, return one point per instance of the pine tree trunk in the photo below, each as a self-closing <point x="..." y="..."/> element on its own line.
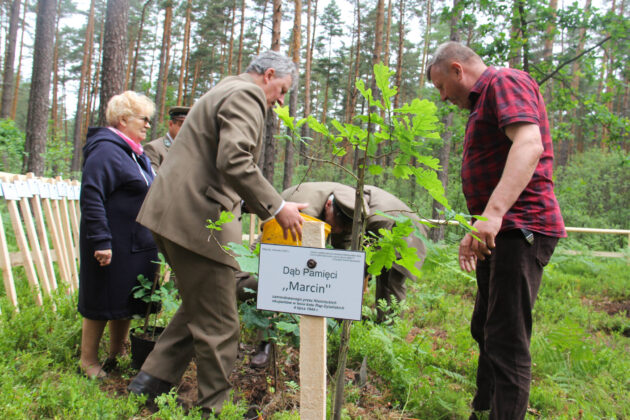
<point x="37" y="118"/>
<point x="357" y="60"/>
<point x="310" y="42"/>
<point x="575" y="84"/>
<point x="94" y="87"/>
<point x="193" y="89"/>
<point x="75" y="165"/>
<point x="138" y="40"/>
<point x="9" y="59"/>
<point x="293" y="99"/>
<point x="437" y="234"/>
<point x="183" y="70"/>
<point x="262" y="26"/>
<point x="241" y="39"/>
<point x="231" y="51"/>
<point x="162" y="81"/>
<point x="129" y="62"/>
<point x="55" y="75"/>
<point x="114" y="53"/>
<point x="388" y="33"/>
<point x="271" y="125"/>
<point x="425" y="49"/>
<point x="515" y="58"/>
<point x="16" y="88"/>
<point x="401" y="53"/>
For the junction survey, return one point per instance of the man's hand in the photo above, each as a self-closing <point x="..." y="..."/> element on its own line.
<point x="103" y="256"/>
<point x="471" y="249"/>
<point x="290" y="220"/>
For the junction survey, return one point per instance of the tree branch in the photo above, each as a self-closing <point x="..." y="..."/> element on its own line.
<point x="550" y="75"/>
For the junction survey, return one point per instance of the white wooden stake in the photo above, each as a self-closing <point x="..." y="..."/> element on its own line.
<point x="313" y="344"/>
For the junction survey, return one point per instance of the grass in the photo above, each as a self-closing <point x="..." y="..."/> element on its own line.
<point x="422" y="364"/>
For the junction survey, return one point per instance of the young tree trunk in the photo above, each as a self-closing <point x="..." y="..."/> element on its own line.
<point x="138" y="40"/>
<point x="293" y="99"/>
<point x="79" y="135"/>
<point x="271" y="125"/>
<point x="19" y="68"/>
<point x="184" y="66"/>
<point x="9" y="59"/>
<point x="437" y="234"/>
<point x="37" y="118"/>
<point x="114" y="53"/>
<point x="162" y="81"/>
<point x="241" y="39"/>
<point x="338" y="394"/>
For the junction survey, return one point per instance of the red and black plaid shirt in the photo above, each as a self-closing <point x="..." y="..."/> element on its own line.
<point x="502" y="97"/>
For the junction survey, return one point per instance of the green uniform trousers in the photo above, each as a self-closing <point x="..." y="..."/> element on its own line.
<point x="205" y="326"/>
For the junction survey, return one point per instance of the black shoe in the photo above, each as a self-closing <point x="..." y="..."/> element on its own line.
<point x="145" y="384"/>
<point x="260" y="359"/>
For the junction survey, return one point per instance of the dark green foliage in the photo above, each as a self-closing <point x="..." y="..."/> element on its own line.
<point x="594" y="191"/>
<point x="11" y="147"/>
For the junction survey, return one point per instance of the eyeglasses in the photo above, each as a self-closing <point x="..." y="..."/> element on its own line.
<point x="144" y="118"/>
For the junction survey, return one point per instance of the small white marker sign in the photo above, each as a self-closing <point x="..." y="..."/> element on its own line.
<point x="311" y="281"/>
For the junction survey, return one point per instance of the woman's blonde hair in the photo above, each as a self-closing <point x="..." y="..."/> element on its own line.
<point x="127" y="104"/>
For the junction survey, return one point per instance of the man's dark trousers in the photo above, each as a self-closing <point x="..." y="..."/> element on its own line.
<point x="508" y="283"/>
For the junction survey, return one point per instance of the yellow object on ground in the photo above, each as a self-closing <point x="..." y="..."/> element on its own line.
<point x="272" y="232"/>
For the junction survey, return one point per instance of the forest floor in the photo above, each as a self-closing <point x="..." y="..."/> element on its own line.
<point x="268" y="390"/>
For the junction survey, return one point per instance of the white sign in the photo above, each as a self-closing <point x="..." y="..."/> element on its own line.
<point x="33" y="184"/>
<point x="10" y="191"/>
<point x="44" y="189"/>
<point x="54" y="192"/>
<point x="23" y="189"/>
<point x="62" y="188"/>
<point x="311" y="281"/>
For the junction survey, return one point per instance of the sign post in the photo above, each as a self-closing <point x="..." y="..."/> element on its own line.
<point x="316" y="283"/>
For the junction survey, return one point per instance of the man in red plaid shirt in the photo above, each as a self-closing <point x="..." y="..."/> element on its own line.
<point x="506" y="174"/>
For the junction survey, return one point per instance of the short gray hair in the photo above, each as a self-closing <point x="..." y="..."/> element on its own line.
<point x="282" y="64"/>
<point x="448" y="52"/>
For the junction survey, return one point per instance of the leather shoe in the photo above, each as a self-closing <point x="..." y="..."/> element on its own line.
<point x="260" y="359"/>
<point x="145" y="384"/>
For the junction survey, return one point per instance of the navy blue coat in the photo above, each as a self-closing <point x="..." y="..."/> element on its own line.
<point x="114" y="183"/>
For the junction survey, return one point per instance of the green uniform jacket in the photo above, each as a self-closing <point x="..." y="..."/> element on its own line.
<point x="210" y="168"/>
<point x="156" y="150"/>
<point x="316" y="194"/>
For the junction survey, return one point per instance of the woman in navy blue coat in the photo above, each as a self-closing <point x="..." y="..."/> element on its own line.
<point x="114" y="248"/>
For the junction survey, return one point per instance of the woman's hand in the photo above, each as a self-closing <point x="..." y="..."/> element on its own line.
<point x="103" y="256"/>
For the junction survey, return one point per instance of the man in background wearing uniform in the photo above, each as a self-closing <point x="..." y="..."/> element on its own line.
<point x="333" y="203"/>
<point x="157" y="149"/>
